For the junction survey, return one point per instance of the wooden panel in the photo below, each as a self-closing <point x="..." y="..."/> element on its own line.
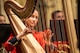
<point x="53" y="30"/>
<point x="59" y="30"/>
<point x="63" y="30"/>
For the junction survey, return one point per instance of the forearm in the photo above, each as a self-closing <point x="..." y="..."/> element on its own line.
<point x="8" y="46"/>
<point x="13" y="40"/>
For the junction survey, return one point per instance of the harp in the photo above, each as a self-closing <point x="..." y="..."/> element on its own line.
<point x="15" y="12"/>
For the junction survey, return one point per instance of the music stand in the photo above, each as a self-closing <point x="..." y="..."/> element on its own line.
<point x="5" y="30"/>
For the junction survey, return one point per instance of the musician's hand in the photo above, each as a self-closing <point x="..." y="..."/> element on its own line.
<point x="24" y="32"/>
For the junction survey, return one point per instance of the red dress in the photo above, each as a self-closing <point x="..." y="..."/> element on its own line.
<point x="39" y="36"/>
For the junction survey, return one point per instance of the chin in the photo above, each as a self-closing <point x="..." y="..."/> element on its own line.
<point x="32" y="25"/>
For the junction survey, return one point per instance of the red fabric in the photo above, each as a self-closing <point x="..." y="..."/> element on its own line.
<point x="39" y="36"/>
<point x="15" y="49"/>
<point x="8" y="46"/>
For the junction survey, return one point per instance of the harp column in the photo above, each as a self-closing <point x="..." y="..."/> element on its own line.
<point x="70" y="26"/>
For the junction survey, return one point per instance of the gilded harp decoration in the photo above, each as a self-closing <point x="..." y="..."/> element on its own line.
<point x="14" y="12"/>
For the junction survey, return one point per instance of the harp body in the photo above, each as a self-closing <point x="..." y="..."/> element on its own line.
<point x="14" y="12"/>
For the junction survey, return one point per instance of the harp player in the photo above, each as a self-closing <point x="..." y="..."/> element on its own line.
<point x="11" y="44"/>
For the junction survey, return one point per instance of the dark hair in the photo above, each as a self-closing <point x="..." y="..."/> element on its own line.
<point x="1" y="15"/>
<point x="55" y="12"/>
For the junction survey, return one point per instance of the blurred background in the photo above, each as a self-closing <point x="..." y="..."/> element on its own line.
<point x="45" y="8"/>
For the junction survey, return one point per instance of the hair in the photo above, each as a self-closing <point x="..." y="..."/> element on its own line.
<point x="1" y="15"/>
<point x="55" y="12"/>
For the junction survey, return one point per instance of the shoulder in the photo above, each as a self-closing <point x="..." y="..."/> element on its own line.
<point x="42" y="32"/>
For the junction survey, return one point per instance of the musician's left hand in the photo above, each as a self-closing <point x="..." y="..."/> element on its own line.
<point x="24" y="32"/>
